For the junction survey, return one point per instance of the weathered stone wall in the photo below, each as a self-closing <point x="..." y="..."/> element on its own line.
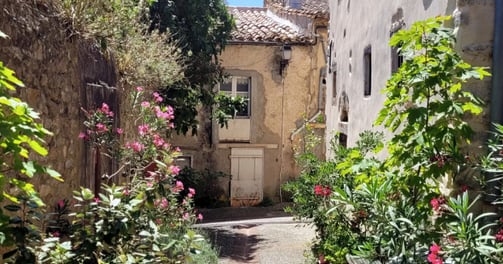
<point x="57" y="67"/>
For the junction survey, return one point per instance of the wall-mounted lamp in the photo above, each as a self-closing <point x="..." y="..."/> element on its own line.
<point x="286" y="55"/>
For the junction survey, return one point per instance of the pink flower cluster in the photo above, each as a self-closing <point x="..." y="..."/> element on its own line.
<point x="433" y="256"/>
<point x="157" y="97"/>
<point x="191" y="193"/>
<point x="499" y="235"/>
<point x="135" y="146"/>
<point x="437" y="203"/>
<point x="105" y="109"/>
<point x="162" y="203"/>
<point x="178" y="186"/>
<point x="322" y="190"/>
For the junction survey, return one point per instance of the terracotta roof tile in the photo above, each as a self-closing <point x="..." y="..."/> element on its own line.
<point x="259" y="25"/>
<point x="317" y="8"/>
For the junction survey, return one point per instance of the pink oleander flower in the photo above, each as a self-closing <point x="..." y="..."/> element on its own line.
<point x="96" y="200"/>
<point x="158" y="221"/>
<point x="157" y="97"/>
<point x="100" y="127"/>
<point x="119" y="131"/>
<point x="174" y="169"/>
<point x="137" y="146"/>
<point x="179" y="186"/>
<point x="139" y="89"/>
<point x="436" y="203"/>
<point x="499" y="236"/>
<point x="143" y="129"/>
<point x="145" y="104"/>
<point x="433" y="256"/>
<point x="435" y="249"/>
<point x="150" y="184"/>
<point x="126" y="192"/>
<point x="158" y="141"/>
<point x="82" y="135"/>
<point x="104" y="108"/>
<point x="61" y="203"/>
<point x="191" y="193"/>
<point x="200" y="217"/>
<point x="322" y="190"/>
<point x="185" y="216"/>
<point x="327" y="191"/>
<point x="164" y="202"/>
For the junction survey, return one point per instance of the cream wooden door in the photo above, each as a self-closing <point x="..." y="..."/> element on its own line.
<point x="247" y="169"/>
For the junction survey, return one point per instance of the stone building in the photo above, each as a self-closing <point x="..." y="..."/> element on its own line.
<point x="275" y="59"/>
<point x="361" y="61"/>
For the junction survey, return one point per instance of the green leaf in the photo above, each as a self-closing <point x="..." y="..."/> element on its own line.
<point x="54" y="174"/>
<point x="87" y="194"/>
<point x="12" y="207"/>
<point x="473" y="108"/>
<point x="145" y="233"/>
<point x="37" y="147"/>
<point x="29" y="168"/>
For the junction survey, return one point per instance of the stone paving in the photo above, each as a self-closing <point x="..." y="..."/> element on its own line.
<point x="257" y="236"/>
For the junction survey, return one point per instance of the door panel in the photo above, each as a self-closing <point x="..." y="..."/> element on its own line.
<point x="247" y="169"/>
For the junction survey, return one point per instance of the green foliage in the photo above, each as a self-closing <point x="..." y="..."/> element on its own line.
<point x="227" y="107"/>
<point x="121" y="28"/>
<point x="207" y="187"/>
<point x="201" y="28"/>
<point x="21" y="139"/>
<point x="468" y="237"/>
<point x="383" y="209"/>
<point x="337" y="229"/>
<point x="425" y="100"/>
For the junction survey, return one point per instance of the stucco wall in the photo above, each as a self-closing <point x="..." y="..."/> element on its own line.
<point x="279" y="104"/>
<point x="354" y="25"/>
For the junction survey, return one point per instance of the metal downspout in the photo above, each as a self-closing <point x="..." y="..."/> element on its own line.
<point x="497" y="73"/>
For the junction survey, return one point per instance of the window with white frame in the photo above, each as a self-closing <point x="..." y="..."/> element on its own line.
<point x="238" y="86"/>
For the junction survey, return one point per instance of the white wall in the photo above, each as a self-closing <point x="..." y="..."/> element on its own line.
<point x="355" y="24"/>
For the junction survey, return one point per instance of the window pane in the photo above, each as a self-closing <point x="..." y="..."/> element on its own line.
<point x="226" y="85"/>
<point x="246" y="109"/>
<point x="243" y="84"/>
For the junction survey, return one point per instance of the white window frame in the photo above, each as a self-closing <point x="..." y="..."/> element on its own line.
<point x="235" y="93"/>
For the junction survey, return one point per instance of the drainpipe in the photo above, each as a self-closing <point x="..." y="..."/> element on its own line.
<point x="497" y="74"/>
<point x="320" y="107"/>
<point x="320" y="88"/>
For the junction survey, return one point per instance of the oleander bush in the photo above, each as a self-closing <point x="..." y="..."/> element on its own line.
<point x="393" y="210"/>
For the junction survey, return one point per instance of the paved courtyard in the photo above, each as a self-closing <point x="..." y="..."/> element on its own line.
<point x="269" y="240"/>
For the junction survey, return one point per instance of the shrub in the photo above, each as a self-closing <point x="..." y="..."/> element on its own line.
<point x="121" y="28"/>
<point x="206" y="184"/>
<point x="392" y="210"/>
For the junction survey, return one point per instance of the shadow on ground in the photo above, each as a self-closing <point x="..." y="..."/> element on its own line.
<point x="243" y="213"/>
<point x="235" y="242"/>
